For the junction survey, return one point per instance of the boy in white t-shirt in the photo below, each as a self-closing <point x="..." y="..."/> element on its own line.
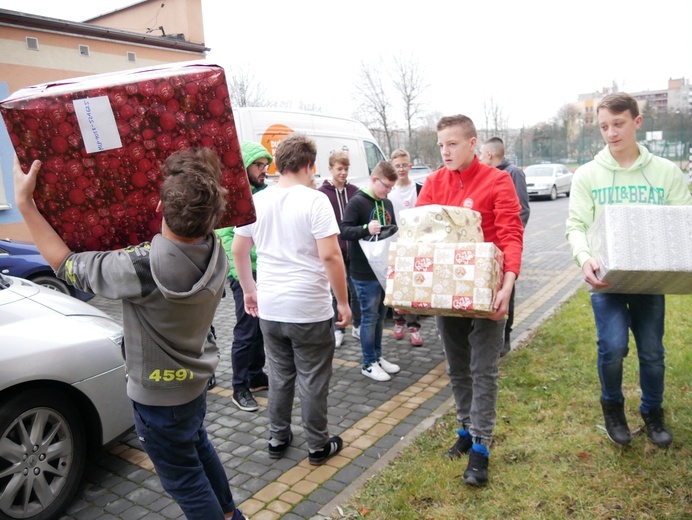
<point x="403" y="196"/>
<point x="298" y="258"/>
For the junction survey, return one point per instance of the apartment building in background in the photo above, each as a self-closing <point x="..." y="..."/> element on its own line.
<point x="36" y="49"/>
<point x="677" y="97"/>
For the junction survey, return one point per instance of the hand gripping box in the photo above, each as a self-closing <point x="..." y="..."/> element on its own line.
<point x="444" y="279"/>
<point x="435" y="223"/>
<point x="103" y="138"/>
<point x="644" y="249"/>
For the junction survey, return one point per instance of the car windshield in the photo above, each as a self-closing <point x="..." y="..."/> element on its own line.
<point x="539" y="171"/>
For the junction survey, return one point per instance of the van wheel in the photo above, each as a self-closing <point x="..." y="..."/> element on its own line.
<point x="553" y="193"/>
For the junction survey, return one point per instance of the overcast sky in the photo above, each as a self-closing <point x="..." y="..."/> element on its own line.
<point x="530" y="57"/>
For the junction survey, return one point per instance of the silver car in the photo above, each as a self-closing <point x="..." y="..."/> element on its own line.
<point x="548" y="180"/>
<point x="62" y="395"/>
<point x="419" y="172"/>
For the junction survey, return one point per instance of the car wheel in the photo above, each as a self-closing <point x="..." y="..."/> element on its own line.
<point x="55" y="284"/>
<point x="42" y="455"/>
<point x="553" y="193"/>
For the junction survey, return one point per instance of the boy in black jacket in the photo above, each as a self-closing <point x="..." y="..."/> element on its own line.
<point x="365" y="215"/>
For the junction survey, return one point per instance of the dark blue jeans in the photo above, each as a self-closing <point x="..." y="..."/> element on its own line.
<point x="645" y="315"/>
<point x="247" y="352"/>
<point x="176" y="441"/>
<point x="373" y="312"/>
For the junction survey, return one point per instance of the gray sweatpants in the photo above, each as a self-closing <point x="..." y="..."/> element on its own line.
<point x="301" y="352"/>
<point x="472" y="348"/>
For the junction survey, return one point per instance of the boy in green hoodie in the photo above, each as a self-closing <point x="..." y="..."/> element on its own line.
<point x="247" y="350"/>
<point x="624" y="172"/>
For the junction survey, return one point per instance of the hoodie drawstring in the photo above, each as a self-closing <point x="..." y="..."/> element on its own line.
<point x="342" y="203"/>
<point x="380" y="212"/>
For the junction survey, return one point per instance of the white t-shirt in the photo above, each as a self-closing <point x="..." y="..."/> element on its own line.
<point x="403" y="198"/>
<point x="292" y="284"/>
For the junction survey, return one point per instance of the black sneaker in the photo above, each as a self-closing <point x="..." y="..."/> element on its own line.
<point x="615" y="422"/>
<point x="656" y="429"/>
<point x="212" y="382"/>
<point x="461" y="446"/>
<point x="259" y="383"/>
<point x="276" y="452"/>
<point x="332" y="448"/>
<point x="476" y="473"/>
<point x="243" y="399"/>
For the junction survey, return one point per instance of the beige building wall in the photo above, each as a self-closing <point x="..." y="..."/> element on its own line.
<point x="58" y="56"/>
<point x="175" y="16"/>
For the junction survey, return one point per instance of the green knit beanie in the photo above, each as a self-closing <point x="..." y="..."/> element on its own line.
<point x="252" y="151"/>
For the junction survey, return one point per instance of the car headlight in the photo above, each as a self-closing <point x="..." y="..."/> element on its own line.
<point x="106" y="326"/>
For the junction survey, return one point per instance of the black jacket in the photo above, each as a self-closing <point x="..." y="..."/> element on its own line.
<point x="360" y="210"/>
<point x="519" y="180"/>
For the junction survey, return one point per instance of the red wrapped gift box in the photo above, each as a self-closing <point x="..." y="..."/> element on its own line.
<point x="103" y="138"/>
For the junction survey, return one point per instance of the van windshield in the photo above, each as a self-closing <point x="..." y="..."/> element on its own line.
<point x="372" y="154"/>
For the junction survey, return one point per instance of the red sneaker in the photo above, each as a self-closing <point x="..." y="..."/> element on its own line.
<point x="416" y="339"/>
<point x="399" y="331"/>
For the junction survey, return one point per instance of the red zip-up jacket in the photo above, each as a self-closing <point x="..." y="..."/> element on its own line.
<point x="489" y="191"/>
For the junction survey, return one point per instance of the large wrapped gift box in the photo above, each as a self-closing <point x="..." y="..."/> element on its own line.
<point x="444" y="279"/>
<point x="103" y="138"/>
<point x="644" y="249"/>
<point x="435" y="223"/>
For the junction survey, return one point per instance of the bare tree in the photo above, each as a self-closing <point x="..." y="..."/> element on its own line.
<point x="375" y="106"/>
<point x="245" y="90"/>
<point x="309" y="106"/>
<point x="425" y="137"/>
<point x="409" y="80"/>
<point x="495" y="122"/>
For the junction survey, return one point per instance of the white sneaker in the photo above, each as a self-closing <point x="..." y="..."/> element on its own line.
<point x="339" y="336"/>
<point x="374" y="371"/>
<point x="388" y="367"/>
<point x="356" y="332"/>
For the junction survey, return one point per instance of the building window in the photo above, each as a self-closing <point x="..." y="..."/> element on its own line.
<point x="131" y="56"/>
<point x="84" y="50"/>
<point x="31" y="43"/>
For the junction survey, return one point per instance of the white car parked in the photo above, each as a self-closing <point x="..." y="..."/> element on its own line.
<point x="548" y="180"/>
<point x="62" y="395"/>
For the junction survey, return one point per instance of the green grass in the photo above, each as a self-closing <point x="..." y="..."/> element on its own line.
<point x="550" y="459"/>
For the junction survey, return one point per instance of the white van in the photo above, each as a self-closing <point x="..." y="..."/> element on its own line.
<point x="269" y="126"/>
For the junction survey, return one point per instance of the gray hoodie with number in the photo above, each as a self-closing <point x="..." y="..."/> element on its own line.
<point x="169" y="291"/>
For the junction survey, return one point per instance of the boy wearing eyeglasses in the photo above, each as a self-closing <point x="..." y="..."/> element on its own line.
<point x="364" y="216"/>
<point x="403" y="196"/>
<point x="247" y="351"/>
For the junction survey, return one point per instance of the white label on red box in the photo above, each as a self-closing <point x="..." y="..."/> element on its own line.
<point x="97" y="123"/>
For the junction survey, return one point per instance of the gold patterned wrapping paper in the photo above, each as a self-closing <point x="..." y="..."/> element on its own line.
<point x="644" y="249"/>
<point x="444" y="279"/>
<point x="435" y="223"/>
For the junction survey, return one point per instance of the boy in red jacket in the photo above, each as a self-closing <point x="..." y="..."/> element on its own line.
<point x="472" y="345"/>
